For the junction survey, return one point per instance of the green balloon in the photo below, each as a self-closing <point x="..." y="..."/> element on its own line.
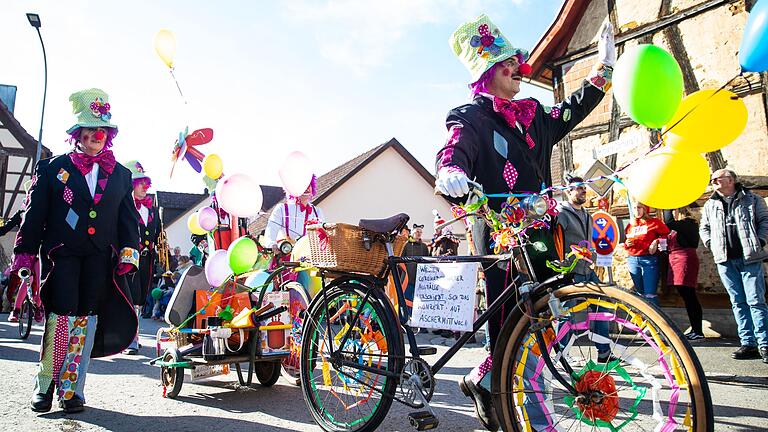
<point x="242" y="255"/>
<point x="648" y="85"/>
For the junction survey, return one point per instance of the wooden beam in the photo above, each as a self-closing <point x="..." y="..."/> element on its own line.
<point x="649" y="28"/>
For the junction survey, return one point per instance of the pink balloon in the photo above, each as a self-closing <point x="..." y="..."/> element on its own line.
<point x="217" y="268"/>
<point x="239" y="195"/>
<point x="296" y="173"/>
<point x="206" y="218"/>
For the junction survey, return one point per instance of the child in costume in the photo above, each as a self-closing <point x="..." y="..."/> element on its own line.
<point x="506" y="146"/>
<point x="149" y="230"/>
<point x="82" y="223"/>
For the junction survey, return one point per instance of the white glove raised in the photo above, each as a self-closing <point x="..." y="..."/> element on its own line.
<point x="452" y="181"/>
<point x="606" y="47"/>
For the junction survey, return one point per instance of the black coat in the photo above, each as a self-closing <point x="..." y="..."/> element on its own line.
<point x="481" y="143"/>
<point x="486" y="142"/>
<point x="62" y="214"/>
<point x="141" y="281"/>
<point x="51" y="220"/>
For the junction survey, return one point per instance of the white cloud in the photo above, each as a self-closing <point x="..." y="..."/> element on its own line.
<point x="362" y="35"/>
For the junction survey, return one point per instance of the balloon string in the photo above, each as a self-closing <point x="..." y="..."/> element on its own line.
<point x="177" y="86"/>
<point x="701" y="103"/>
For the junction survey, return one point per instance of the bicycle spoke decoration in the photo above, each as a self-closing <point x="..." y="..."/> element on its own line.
<point x="592" y="378"/>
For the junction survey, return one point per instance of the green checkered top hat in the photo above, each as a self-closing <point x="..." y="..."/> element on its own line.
<point x="137" y="171"/>
<point x="479" y="45"/>
<point x="92" y="109"/>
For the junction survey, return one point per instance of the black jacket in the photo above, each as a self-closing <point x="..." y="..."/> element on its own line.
<point x="486" y="142"/>
<point x="61" y="210"/>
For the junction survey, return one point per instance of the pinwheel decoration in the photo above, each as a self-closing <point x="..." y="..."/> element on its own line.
<point x="184" y="148"/>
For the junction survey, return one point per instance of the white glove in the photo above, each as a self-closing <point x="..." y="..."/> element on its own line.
<point x="452" y="181"/>
<point x="606" y="48"/>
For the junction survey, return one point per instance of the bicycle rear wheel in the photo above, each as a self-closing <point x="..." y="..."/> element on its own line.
<point x="350" y="387"/>
<point x="25" y="318"/>
<point x="653" y="381"/>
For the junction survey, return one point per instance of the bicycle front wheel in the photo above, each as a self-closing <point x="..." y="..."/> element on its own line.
<point x="350" y="357"/>
<point x="627" y="367"/>
<point x="25" y="318"/>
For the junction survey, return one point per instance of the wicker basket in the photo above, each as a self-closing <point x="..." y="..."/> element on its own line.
<point x="339" y="247"/>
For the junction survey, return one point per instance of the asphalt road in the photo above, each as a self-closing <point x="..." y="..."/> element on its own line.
<point x="124" y="394"/>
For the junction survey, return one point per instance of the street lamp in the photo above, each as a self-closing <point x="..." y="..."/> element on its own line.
<point x="34" y="21"/>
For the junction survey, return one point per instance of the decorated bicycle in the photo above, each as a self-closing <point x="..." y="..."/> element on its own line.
<point x="354" y="361"/>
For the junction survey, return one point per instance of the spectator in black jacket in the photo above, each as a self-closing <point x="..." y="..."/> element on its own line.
<point x="684" y="264"/>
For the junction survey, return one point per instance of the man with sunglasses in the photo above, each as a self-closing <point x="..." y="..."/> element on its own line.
<point x="734" y="226"/>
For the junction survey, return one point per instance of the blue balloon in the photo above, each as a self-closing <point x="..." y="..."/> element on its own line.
<point x="753" y="52"/>
<point x="257" y="279"/>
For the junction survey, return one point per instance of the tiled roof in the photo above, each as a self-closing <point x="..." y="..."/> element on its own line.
<point x="334" y="178"/>
<point x="175" y="204"/>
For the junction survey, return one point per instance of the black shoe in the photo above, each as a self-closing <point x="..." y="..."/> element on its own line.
<point x="41" y="402"/>
<point x="607" y="357"/>
<point x="74" y="405"/>
<point x="746" y="353"/>
<point x="483" y="403"/>
<point x="764" y="353"/>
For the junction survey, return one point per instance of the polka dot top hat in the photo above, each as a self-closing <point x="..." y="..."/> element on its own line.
<point x="92" y="109"/>
<point x="137" y="171"/>
<point x="479" y="45"/>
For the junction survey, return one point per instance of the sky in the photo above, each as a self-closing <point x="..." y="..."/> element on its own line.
<point x="329" y="78"/>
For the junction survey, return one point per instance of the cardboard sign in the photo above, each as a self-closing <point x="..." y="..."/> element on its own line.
<point x="444" y="296"/>
<point x="604" y="260"/>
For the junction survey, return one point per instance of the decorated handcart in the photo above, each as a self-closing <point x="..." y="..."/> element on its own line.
<point x="245" y="323"/>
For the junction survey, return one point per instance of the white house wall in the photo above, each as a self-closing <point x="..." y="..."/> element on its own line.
<point x="178" y="233"/>
<point x="387" y="185"/>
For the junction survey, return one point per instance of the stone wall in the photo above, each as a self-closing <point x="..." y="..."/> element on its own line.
<point x="711" y="42"/>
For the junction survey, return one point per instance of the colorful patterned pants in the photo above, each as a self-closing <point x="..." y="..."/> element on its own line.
<point x="65" y="354"/>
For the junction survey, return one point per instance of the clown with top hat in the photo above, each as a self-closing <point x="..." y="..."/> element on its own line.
<point x="82" y="224"/>
<point x="506" y="145"/>
<point x="149" y="230"/>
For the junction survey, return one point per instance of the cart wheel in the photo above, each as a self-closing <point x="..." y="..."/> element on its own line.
<point x="267" y="372"/>
<point x="170" y="376"/>
<point x="240" y="375"/>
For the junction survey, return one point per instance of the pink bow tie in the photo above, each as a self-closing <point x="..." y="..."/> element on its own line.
<point x="515" y="111"/>
<point x="146" y="202"/>
<point x="84" y="162"/>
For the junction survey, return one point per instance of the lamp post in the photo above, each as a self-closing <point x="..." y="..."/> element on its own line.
<point x="34" y="21"/>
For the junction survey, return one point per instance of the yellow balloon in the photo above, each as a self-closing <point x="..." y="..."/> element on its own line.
<point x="213" y="166"/>
<point x="714" y="120"/>
<point x="194" y="225"/>
<point x="165" y="46"/>
<point x="669" y="179"/>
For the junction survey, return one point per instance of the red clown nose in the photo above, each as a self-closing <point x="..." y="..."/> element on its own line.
<point x="525" y="69"/>
<point x="99" y="135"/>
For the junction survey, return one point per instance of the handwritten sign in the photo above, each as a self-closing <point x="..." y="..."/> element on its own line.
<point x="444" y="296"/>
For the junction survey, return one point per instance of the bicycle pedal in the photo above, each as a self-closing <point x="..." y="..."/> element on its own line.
<point x="427" y="350"/>
<point x="423" y="420"/>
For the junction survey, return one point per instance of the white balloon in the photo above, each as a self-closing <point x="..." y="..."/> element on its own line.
<point x="239" y="195"/>
<point x="217" y="268"/>
<point x="296" y="173"/>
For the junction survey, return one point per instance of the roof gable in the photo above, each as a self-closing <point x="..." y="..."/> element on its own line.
<point x="333" y="179"/>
